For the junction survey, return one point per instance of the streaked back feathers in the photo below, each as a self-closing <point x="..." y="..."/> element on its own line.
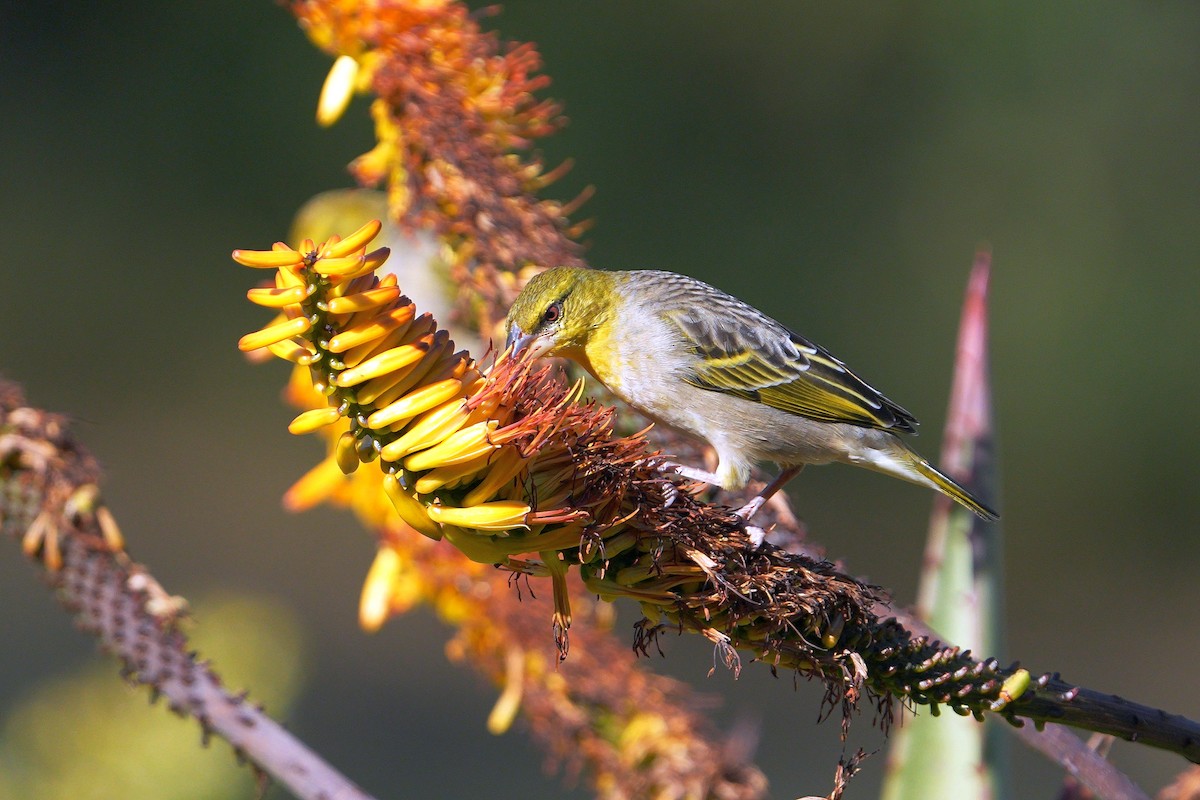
<point x="742" y="351"/>
<point x="738" y="349"/>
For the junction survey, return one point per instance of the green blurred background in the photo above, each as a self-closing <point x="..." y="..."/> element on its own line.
<point x="834" y="165"/>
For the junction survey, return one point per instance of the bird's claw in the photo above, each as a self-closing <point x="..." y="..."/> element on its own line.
<point x="757" y="535"/>
<point x="659" y="464"/>
<point x="750" y="509"/>
<point x="670" y="492"/>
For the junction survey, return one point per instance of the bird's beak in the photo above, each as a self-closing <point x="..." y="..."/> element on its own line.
<point x="520" y="341"/>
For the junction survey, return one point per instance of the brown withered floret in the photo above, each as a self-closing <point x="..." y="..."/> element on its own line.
<point x="455" y="110"/>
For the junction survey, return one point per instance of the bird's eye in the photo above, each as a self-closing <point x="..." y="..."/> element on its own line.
<point x="553" y="314"/>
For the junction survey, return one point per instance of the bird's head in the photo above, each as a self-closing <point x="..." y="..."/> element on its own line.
<point x="558" y="310"/>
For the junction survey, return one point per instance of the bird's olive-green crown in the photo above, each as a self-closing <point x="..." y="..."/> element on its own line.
<point x="563" y="305"/>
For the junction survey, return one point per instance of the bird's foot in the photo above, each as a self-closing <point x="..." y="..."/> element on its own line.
<point x="670" y="490"/>
<point x="691" y="473"/>
<point x="750" y="509"/>
<point x="757" y="535"/>
<point x="759" y="500"/>
<point x="671" y="493"/>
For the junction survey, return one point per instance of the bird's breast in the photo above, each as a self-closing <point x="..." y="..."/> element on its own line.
<point x="641" y="359"/>
<point x="603" y="357"/>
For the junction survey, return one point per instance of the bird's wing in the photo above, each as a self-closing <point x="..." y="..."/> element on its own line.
<point x="743" y="352"/>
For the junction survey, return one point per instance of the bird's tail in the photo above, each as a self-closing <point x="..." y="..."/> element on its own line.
<point x="952" y="489"/>
<point x="902" y="462"/>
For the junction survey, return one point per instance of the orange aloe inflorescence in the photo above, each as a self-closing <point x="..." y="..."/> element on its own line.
<point x="453" y="110"/>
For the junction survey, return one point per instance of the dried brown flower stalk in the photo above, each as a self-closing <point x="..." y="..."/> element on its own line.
<point x="49" y="499"/>
<point x="575" y="493"/>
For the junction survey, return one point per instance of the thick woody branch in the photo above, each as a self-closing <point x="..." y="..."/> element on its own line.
<point x="1055" y="700"/>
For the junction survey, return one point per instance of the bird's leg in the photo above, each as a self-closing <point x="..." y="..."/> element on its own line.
<point x="750" y="509"/>
<point x="757" y="535"/>
<point x="670" y="491"/>
<point x="691" y="473"/>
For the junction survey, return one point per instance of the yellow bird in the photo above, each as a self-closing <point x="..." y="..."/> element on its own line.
<point x="700" y="361"/>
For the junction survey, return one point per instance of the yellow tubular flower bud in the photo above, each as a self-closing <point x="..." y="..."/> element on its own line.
<point x="374" y="604"/>
<point x="506" y="466"/>
<point x="388" y="361"/>
<point x="437" y="423"/>
<point x="289" y="350"/>
<point x="501" y="515"/>
<point x="374" y="259"/>
<point x="468" y="443"/>
<point x="317" y="485"/>
<point x="449" y="476"/>
<point x="438" y="389"/>
<point x="361" y="301"/>
<point x="274" y="334"/>
<point x="313" y="419"/>
<point x="508" y="704"/>
<point x="405" y="334"/>
<point x="42" y="535"/>
<point x="277" y="297"/>
<point x="372" y="330"/>
<point x="345" y="453"/>
<point x="287" y="277"/>
<point x="352" y="286"/>
<point x="433" y="427"/>
<point x="337" y="91"/>
<point x="328" y="243"/>
<point x="410" y="509"/>
<point x="339" y="267"/>
<point x="109" y="529"/>
<point x="268" y="259"/>
<point x="1014" y="686"/>
<point x="353" y="242"/>
<point x="384" y="392"/>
